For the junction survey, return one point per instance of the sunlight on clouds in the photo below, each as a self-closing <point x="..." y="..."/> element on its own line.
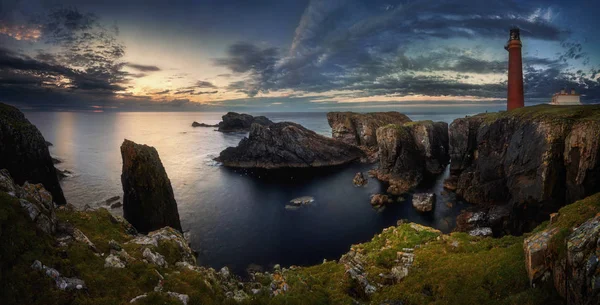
<point x="21" y="32"/>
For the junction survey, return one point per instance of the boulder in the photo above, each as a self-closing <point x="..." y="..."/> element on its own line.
<point x="287" y="145"/>
<point x="535" y="159"/>
<point x="380" y="199"/>
<point x="408" y="153"/>
<point x="359" y="179"/>
<point x="360" y="128"/>
<point x="236" y="122"/>
<point x="423" y="202"/>
<point x="24" y="152"/>
<point x="169" y="236"/>
<point x="148" y="201"/>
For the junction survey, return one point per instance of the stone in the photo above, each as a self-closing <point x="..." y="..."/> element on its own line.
<point x="148" y="200"/>
<point x="113" y="261"/>
<point x="139" y="297"/>
<point x="380" y="200"/>
<point x="360" y="129"/>
<point x="171" y="236"/>
<point x="113" y="245"/>
<point x="183" y="298"/>
<point x="224" y="272"/>
<point x="237" y="122"/>
<point x="486" y="231"/>
<point x="154" y="258"/>
<point x="196" y="124"/>
<point x="423" y="202"/>
<point x="304" y="200"/>
<point x="287" y="145"/>
<point x="116" y="205"/>
<point x="536" y="253"/>
<point x="6" y="183"/>
<point x="24" y="153"/>
<point x="359" y="179"/>
<point x="62" y="283"/>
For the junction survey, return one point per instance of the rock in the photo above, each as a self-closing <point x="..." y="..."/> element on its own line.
<point x="112" y="244"/>
<point x="38" y="204"/>
<point x="224" y="272"/>
<point x="62" y="283"/>
<point x="24" y="152"/>
<point x="380" y="200"/>
<point x="535" y="159"/>
<point x="304" y="200"/>
<point x="49" y="144"/>
<point x="408" y="153"/>
<point x="113" y="261"/>
<point x="536" y="251"/>
<point x="360" y="129"/>
<point x="450" y="183"/>
<point x="183" y="298"/>
<point x="139" y="297"/>
<point x="80" y="237"/>
<point x="61" y="174"/>
<point x="7" y="184"/>
<point x="196" y="124"/>
<point x="287" y="145"/>
<point x="423" y="202"/>
<point x="148" y="200"/>
<point x="168" y="235"/>
<point x="56" y="160"/>
<point x="359" y="179"/>
<point x="486" y="231"/>
<point x="493" y="217"/>
<point x="154" y="258"/>
<point x="240" y="296"/>
<point x="115" y="205"/>
<point x="111" y="200"/>
<point x="236" y="122"/>
<point x="354" y="263"/>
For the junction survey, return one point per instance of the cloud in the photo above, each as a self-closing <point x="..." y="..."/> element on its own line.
<point x="205" y="84"/>
<point x="143" y="68"/>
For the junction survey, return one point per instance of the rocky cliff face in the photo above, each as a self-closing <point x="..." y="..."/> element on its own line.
<point x="533" y="159"/>
<point x="24" y="152"/>
<point x="410" y="152"/>
<point x="148" y="201"/>
<point x="287" y="145"/>
<point x="566" y="252"/>
<point x="360" y="128"/>
<point x="233" y="122"/>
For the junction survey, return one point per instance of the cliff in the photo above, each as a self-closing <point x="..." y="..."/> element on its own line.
<point x="410" y="152"/>
<point x="287" y="144"/>
<point x="148" y="200"/>
<point x="24" y="152"/>
<point x="531" y="160"/>
<point x="360" y="128"/>
<point x="96" y="258"/>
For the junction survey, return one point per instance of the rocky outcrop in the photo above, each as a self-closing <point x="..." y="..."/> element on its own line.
<point x="378" y="200"/>
<point x="24" y="152"/>
<point x="408" y="153"/>
<point x="359" y="179"/>
<point x="568" y="258"/>
<point x="148" y="201"/>
<point x="535" y="159"/>
<point x="423" y="202"/>
<point x="360" y="128"/>
<point x="236" y="122"/>
<point x="196" y="124"/>
<point x="285" y="145"/>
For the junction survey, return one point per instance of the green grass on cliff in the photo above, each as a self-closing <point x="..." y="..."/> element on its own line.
<point x="549" y="112"/>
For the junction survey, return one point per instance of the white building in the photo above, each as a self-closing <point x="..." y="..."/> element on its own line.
<point x="565" y="98"/>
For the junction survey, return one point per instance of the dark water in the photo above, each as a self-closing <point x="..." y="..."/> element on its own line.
<point x="235" y="218"/>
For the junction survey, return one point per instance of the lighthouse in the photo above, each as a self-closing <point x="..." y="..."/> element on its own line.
<point x="515" y="97"/>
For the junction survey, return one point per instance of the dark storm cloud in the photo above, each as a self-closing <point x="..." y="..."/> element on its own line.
<point x="362" y="45"/>
<point x="143" y="68"/>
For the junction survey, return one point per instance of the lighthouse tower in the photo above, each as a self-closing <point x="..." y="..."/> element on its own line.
<point x="515" y="71"/>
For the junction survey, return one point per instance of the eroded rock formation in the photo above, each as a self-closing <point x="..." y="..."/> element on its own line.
<point x="233" y="121"/>
<point x="287" y="144"/>
<point x="410" y="152"/>
<point x="534" y="159"/>
<point x="360" y="128"/>
<point x="24" y="152"/>
<point x="148" y="201"/>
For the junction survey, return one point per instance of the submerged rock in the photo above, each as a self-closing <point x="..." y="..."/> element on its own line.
<point x="423" y="202"/>
<point x="360" y="128"/>
<point x="304" y="200"/>
<point x="287" y="144"/>
<point x="148" y="201"/>
<point x="359" y="179"/>
<point x="196" y="124"/>
<point x="24" y="152"/>
<point x="236" y="122"/>
<point x="535" y="159"/>
<point x="410" y="152"/>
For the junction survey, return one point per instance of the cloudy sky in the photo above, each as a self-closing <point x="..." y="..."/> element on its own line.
<point x="283" y="55"/>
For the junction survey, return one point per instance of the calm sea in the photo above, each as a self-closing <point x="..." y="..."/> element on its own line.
<point x="234" y="219"/>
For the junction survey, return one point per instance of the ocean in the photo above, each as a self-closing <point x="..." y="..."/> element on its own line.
<point x="233" y="218"/>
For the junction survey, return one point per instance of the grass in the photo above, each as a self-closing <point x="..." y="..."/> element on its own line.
<point x="547" y="112"/>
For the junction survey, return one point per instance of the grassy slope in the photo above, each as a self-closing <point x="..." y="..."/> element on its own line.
<point x="448" y="269"/>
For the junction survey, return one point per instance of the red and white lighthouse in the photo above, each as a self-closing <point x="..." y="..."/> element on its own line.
<point x="515" y="98"/>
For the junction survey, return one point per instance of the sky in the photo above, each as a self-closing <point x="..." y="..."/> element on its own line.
<point x="290" y="55"/>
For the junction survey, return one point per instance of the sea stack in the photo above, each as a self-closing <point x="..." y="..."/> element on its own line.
<point x="24" y="152"/>
<point x="148" y="200"/>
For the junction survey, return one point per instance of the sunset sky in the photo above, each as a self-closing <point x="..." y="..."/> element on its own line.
<point x="289" y="55"/>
